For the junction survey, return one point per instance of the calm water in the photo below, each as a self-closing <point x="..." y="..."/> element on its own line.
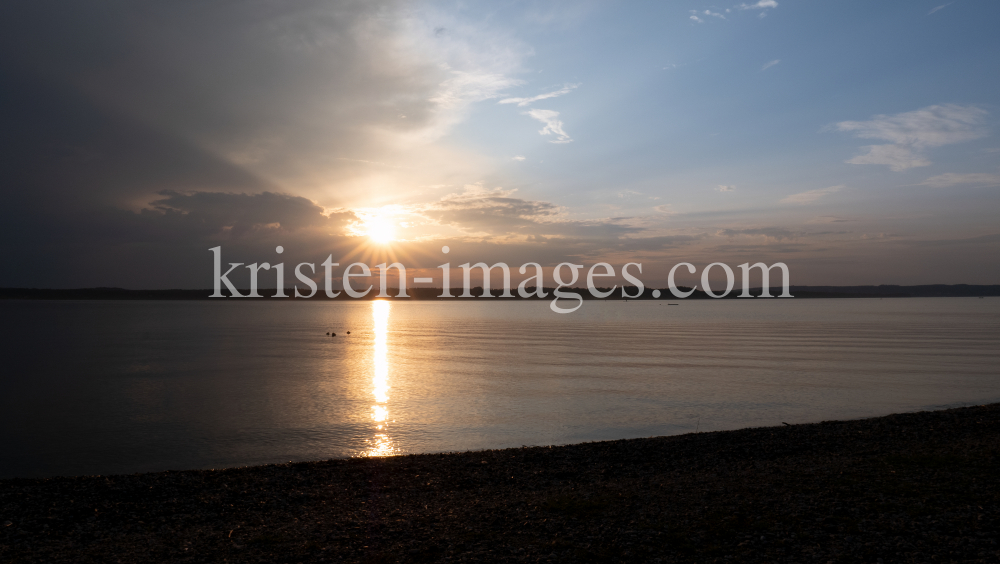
<point x="118" y="387"/>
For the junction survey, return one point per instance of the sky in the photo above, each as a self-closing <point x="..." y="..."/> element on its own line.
<point x="857" y="142"/>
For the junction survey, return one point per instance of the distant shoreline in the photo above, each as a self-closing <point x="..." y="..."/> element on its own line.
<point x="432" y="294"/>
<point x="909" y="487"/>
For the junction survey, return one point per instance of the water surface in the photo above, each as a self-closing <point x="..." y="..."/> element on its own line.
<point x="102" y="387"/>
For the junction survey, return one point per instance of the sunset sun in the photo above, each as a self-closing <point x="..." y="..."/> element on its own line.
<point x="380" y="229"/>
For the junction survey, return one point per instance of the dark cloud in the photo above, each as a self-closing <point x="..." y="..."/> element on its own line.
<point x="493" y="212"/>
<point x="238" y="214"/>
<point x="136" y="134"/>
<point x="62" y="148"/>
<point x="971" y="242"/>
<point x="262" y="83"/>
<point x="656" y="243"/>
<point x="498" y="213"/>
<point x="771" y="233"/>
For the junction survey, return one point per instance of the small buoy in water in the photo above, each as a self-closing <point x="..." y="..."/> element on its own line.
<point x="327" y="332"/>
<point x="348" y="332"/>
<point x="333" y="334"/>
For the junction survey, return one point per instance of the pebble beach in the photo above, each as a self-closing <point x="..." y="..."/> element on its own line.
<point x="913" y="487"/>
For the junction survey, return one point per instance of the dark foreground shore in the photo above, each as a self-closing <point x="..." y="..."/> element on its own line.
<point x="919" y="487"/>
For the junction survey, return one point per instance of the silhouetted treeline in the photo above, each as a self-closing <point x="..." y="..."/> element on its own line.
<point x="885" y="291"/>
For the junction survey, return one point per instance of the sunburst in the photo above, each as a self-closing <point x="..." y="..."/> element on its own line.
<point x="379" y="228"/>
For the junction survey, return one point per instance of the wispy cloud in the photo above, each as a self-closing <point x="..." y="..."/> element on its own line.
<point x="954" y="179"/>
<point x="979" y="239"/>
<point x="770" y="64"/>
<point x="519" y="158"/>
<point x="770" y="233"/>
<point x="875" y="236"/>
<point x="811" y="195"/>
<point x="696" y="13"/>
<point x="911" y="133"/>
<point x="555" y="93"/>
<point x="831" y="219"/>
<point x="939" y="7"/>
<point x="760" y="5"/>
<point x="473" y="64"/>
<point x="463" y="88"/>
<point x="725" y="188"/>
<point x="553" y="126"/>
<point x="498" y="212"/>
<point x="896" y="157"/>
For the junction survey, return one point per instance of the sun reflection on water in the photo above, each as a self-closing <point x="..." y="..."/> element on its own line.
<point x="381" y="444"/>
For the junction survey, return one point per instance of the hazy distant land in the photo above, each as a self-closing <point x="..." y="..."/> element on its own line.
<point x="882" y="291"/>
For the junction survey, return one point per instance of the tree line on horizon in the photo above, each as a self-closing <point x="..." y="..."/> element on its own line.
<point x="423" y="293"/>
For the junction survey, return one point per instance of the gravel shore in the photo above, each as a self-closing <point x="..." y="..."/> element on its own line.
<point x="915" y="487"/>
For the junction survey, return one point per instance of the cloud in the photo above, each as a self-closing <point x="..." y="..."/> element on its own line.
<point x="928" y="127"/>
<point x="770" y="64"/>
<point x="954" y="179"/>
<point x="912" y="133"/>
<point x="725" y="188"/>
<point x="875" y="236"/>
<point x="219" y="110"/>
<point x="832" y="219"/>
<point x="498" y="213"/>
<point x="769" y="233"/>
<point x="526" y="101"/>
<point x="760" y="5"/>
<point x="980" y="239"/>
<point x="464" y="88"/>
<point x="519" y="158"/>
<point x="363" y="80"/>
<point x="239" y="214"/>
<point x="665" y="208"/>
<point x="811" y="195"/>
<point x="654" y="243"/>
<point x="553" y="126"/>
<point x="896" y="157"/>
<point x="476" y="208"/>
<point x="695" y="13"/>
<point x="939" y="7"/>
<point x="164" y="244"/>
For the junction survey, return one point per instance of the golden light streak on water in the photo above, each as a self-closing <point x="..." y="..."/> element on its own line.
<point x="380" y="312"/>
<point x="381" y="444"/>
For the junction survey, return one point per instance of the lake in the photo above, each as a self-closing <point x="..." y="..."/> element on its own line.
<point x="106" y="387"/>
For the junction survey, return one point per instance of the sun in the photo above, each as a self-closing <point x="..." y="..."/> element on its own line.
<point x="380" y="229"/>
